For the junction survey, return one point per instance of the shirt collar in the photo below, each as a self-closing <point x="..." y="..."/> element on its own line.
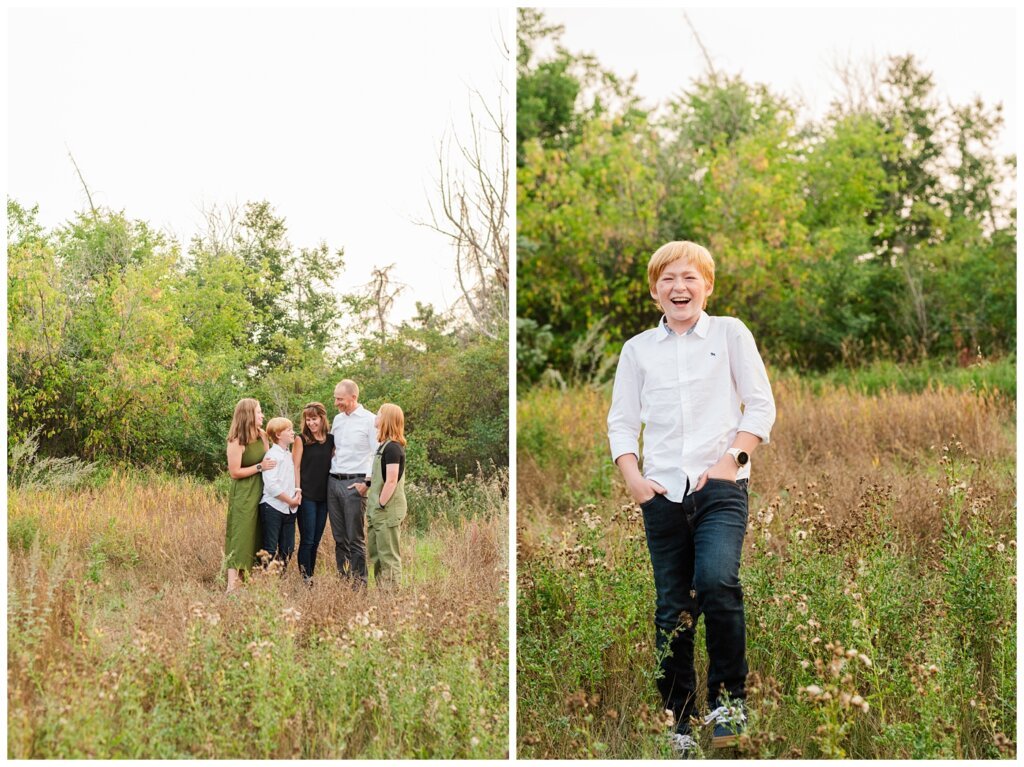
<point x="700" y="328"/>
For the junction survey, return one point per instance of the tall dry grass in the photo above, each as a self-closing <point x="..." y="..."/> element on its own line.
<point x="879" y="572"/>
<point x="122" y="642"/>
<point x="838" y="439"/>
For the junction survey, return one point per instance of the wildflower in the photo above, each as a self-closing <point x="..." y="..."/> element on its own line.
<point x="813" y="691"/>
<point x="864" y="659"/>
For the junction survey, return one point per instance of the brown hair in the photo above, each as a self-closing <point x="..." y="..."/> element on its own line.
<point x="276" y="426"/>
<point x="682" y="250"/>
<point x="317" y="409"/>
<point x="392" y="424"/>
<point x="244" y="428"/>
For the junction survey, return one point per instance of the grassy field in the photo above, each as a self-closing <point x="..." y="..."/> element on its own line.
<point x="879" y="575"/>
<point x="122" y="643"/>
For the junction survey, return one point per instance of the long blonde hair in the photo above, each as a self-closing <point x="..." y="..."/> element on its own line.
<point x="244" y="428"/>
<point x="392" y="424"/>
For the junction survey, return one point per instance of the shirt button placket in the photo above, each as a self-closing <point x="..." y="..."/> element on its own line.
<point x="680" y="378"/>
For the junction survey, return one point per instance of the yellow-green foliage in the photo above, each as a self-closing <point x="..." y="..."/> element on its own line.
<point x="123" y="644"/>
<point x="879" y="575"/>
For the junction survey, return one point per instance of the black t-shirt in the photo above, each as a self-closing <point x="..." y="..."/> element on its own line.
<point x="315" y="466"/>
<point x="392" y="453"/>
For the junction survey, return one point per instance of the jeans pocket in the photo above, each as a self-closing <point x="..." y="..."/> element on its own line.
<point x="650" y="501"/>
<point x="728" y="482"/>
<point x="662" y="515"/>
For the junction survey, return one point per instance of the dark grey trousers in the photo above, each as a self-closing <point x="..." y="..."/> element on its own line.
<point x="346" y="509"/>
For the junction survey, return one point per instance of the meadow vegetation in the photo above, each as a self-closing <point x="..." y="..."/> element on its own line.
<point x="123" y="644"/>
<point x="879" y="574"/>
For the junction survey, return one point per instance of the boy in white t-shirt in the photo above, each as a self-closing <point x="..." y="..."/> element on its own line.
<point x="281" y="498"/>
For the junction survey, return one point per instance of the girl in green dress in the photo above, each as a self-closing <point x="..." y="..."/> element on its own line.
<point x="247" y="444"/>
<point x="385" y="505"/>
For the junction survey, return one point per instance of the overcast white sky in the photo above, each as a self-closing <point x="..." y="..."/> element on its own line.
<point x="333" y="115"/>
<point x="970" y="51"/>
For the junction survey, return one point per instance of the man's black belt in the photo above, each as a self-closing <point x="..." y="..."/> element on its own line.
<point x="349" y="476"/>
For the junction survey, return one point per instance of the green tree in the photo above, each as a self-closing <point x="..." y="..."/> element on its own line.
<point x="587" y="220"/>
<point x="98" y="347"/>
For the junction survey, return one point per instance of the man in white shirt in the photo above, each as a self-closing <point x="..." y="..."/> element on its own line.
<point x="355" y="442"/>
<point x="685" y="382"/>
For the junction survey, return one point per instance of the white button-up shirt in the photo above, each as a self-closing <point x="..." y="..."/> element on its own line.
<point x="355" y="442"/>
<point x="687" y="391"/>
<point x="280" y="479"/>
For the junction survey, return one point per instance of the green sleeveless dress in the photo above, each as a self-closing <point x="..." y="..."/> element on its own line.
<point x="382" y="542"/>
<point x="244" y="533"/>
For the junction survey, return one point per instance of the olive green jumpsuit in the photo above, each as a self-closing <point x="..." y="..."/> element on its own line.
<point x="383" y="522"/>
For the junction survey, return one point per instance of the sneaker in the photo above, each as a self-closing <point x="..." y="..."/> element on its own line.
<point x="683" y="745"/>
<point x="730" y="722"/>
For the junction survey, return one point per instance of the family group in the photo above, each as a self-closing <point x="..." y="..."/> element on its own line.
<point x="352" y="473"/>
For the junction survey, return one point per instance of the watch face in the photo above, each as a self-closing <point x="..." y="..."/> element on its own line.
<point x="742" y="458"/>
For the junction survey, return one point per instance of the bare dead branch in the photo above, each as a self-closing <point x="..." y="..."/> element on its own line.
<point x="81" y="178"/>
<point x="700" y="44"/>
<point x="472" y="209"/>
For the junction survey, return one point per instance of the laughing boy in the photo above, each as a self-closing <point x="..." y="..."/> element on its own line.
<point x="698" y="387"/>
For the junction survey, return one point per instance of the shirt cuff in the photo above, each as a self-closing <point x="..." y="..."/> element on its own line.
<point x="623" y="445"/>
<point x="756" y="427"/>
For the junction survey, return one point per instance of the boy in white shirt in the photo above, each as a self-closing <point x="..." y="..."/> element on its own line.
<point x="684" y="382"/>
<point x="281" y="498"/>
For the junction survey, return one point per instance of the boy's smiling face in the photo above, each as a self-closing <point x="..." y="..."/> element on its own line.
<point x="681" y="292"/>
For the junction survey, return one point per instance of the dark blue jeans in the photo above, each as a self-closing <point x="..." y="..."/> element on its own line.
<point x="695" y="553"/>
<point x="278" y="532"/>
<point x="312" y="520"/>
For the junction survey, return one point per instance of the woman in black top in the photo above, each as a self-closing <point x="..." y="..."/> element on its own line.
<point x="312" y="456"/>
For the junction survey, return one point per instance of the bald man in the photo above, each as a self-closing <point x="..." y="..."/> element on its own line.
<point x="355" y="442"/>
